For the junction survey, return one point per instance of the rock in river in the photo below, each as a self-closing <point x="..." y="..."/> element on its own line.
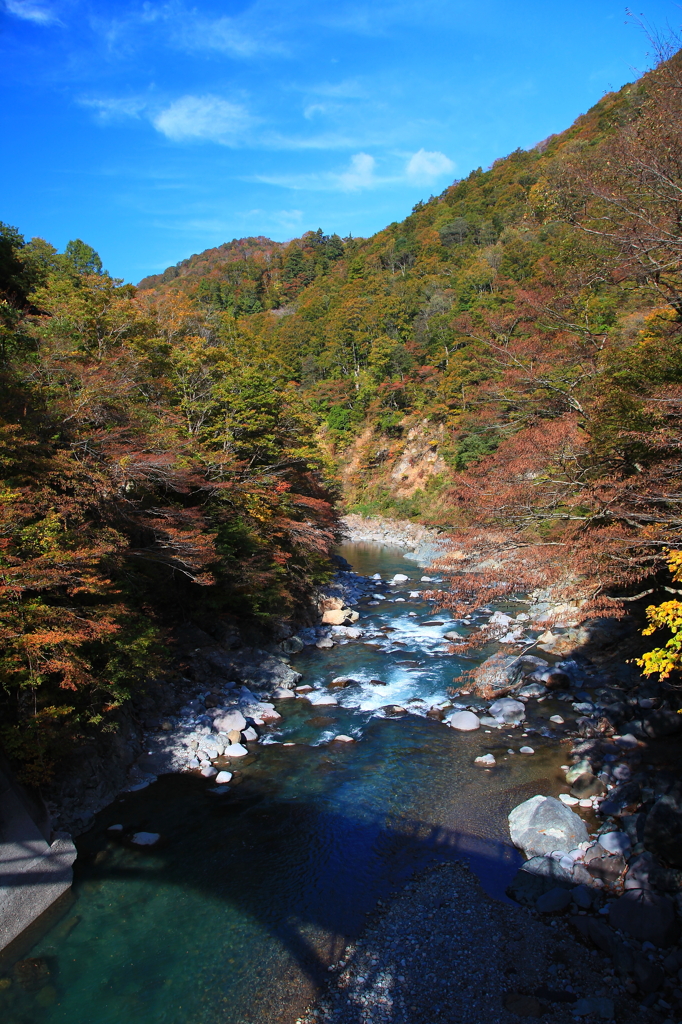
<point x="508" y="710"/>
<point x="226" y="721"/>
<point x="543" y="824"/>
<point x="146" y="838"/>
<point x="464" y="721"/>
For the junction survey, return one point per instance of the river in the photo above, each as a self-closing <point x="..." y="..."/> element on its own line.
<point x="235" y="915"/>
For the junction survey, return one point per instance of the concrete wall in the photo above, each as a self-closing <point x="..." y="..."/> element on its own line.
<point x="35" y="865"/>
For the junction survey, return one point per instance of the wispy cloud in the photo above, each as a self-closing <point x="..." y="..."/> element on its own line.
<point x="28" y="10"/>
<point x="203" y="117"/>
<point x="424" y="168"/>
<point x="115" y="108"/>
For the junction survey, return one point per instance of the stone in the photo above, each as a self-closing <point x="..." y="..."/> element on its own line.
<point x="663" y="827"/>
<point x="508" y="710"/>
<point x="342" y="738"/>
<point x="223" y="777"/>
<point x="663" y="722"/>
<point x="622" y="799"/>
<point x="577" y="770"/>
<point x="557" y="719"/>
<point x="400" y="578"/>
<point x="648" y="977"/>
<point x="235" y="750"/>
<point x="487" y="760"/>
<point x="115" y="828"/>
<point x="342" y="681"/>
<point x="645" y="916"/>
<point x="532" y="690"/>
<point x="394" y="710"/>
<point x="226" y="721"/>
<point x="582" y="897"/>
<point x="543" y="824"/>
<point x="553" y="902"/>
<point x="497" y="675"/>
<point x="325" y="643"/>
<point x="601" y="864"/>
<point x="526" y="750"/>
<point x="587" y="785"/>
<point x="306" y="688"/>
<point x="209" y="772"/>
<point x="570" y="801"/>
<point x="335" y="616"/>
<point x="249" y="735"/>
<point x="523" y="1006"/>
<point x="145" y="838"/>
<point x="640" y="871"/>
<point x="594" y="1006"/>
<point x="281" y="693"/>
<point x="463" y="721"/>
<point x="616" y="842"/>
<point x="294" y="645"/>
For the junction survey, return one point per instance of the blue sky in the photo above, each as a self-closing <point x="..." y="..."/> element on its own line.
<point x="157" y="129"/>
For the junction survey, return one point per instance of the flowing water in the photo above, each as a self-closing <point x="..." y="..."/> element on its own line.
<point x="235" y="915"/>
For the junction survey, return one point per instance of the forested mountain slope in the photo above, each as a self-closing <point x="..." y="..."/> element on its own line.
<point x="506" y="362"/>
<point x="509" y="354"/>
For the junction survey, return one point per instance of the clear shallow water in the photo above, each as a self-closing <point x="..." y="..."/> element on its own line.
<point x="236" y="914"/>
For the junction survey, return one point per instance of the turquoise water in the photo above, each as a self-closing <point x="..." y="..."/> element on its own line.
<point x="235" y="915"/>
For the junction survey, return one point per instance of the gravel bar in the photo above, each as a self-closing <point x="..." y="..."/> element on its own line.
<point x="443" y="950"/>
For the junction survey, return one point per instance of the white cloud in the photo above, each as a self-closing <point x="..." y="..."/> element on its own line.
<point x="221" y="35"/>
<point x="360" y="174"/>
<point x="424" y="167"/>
<point x="203" y="117"/>
<point x="30" y="11"/>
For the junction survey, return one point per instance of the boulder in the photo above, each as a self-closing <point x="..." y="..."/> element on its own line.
<point x="622" y="800"/>
<point x="463" y="721"/>
<point x="648" y="977"/>
<point x="282" y="693"/>
<point x="400" y="577"/>
<point x="497" y="675"/>
<point x="587" y="785"/>
<point x="532" y="690"/>
<point x="577" y="770"/>
<point x="293" y="645"/>
<point x="640" y="871"/>
<point x="663" y="827"/>
<point x="594" y="1006"/>
<point x="543" y="824"/>
<point x="227" y="721"/>
<point x="645" y="916"/>
<point x="335" y="616"/>
<point x="342" y="681"/>
<point x="235" y="750"/>
<point x="325" y="643"/>
<point x="601" y="864"/>
<point x="616" y="842"/>
<point x="508" y="710"/>
<point x="249" y="735"/>
<point x="553" y="902"/>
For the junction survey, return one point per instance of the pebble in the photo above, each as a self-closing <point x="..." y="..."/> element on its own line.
<point x="223" y="777"/>
<point x="526" y="750"/>
<point x="485" y="759"/>
<point x="209" y="772"/>
<point x="146" y="838"/>
<point x="557" y="719"/>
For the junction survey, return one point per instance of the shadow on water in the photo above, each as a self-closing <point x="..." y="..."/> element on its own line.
<point x="236" y="914"/>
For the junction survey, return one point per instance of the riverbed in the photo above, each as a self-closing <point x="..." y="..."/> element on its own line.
<point x="255" y="888"/>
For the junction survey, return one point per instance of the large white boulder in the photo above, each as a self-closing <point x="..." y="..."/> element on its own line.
<point x="227" y="721"/>
<point x="235" y="750"/>
<point x="464" y="721"/>
<point x="508" y="710"/>
<point x="400" y="578"/>
<point x="543" y="824"/>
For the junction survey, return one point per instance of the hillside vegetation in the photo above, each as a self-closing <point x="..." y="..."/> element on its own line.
<point x="505" y="362"/>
